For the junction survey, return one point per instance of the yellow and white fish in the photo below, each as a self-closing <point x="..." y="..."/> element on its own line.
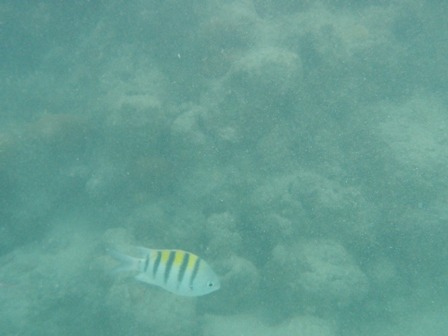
<point x="176" y="271"/>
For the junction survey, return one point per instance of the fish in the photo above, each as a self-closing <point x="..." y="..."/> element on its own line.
<point x="177" y="271"/>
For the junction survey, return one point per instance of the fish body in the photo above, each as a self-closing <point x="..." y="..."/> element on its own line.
<point x="177" y="271"/>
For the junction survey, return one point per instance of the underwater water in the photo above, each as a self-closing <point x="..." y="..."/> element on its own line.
<point x="299" y="147"/>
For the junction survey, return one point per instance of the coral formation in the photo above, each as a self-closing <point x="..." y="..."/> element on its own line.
<point x="315" y="275"/>
<point x="298" y="146"/>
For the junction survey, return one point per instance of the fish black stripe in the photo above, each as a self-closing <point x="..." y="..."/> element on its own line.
<point x="169" y="265"/>
<point x="146" y="263"/>
<point x="183" y="267"/>
<point x="195" y="271"/>
<point x="156" y="263"/>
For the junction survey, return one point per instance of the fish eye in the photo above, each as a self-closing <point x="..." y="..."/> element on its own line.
<point x="210" y="284"/>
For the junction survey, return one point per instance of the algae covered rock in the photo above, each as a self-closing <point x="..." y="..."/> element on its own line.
<point x="316" y="274"/>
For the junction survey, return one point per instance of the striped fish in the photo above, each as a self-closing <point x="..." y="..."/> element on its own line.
<point x="176" y="271"/>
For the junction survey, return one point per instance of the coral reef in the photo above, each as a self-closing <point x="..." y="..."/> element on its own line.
<point x="298" y="146"/>
<point x="315" y="275"/>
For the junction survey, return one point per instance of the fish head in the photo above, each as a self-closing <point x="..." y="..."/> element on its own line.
<point x="206" y="282"/>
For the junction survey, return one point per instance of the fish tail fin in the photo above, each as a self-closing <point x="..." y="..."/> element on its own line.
<point x="127" y="263"/>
